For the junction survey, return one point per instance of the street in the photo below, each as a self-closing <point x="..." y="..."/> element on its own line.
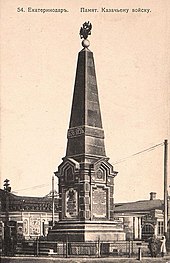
<point x="166" y="259"/>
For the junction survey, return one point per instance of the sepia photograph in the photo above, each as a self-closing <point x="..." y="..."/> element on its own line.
<point x="85" y="130"/>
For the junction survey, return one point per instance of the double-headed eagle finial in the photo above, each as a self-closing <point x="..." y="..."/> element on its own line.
<point x="85" y="31"/>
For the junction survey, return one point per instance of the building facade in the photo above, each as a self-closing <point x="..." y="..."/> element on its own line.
<point x="31" y="216"/>
<point x="143" y="219"/>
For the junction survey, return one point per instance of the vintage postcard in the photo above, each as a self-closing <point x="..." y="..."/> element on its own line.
<point x="129" y="59"/>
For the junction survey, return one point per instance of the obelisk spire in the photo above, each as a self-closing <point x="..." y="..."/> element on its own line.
<point x="85" y="134"/>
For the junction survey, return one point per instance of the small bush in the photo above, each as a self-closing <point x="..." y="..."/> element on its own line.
<point x="154" y="246"/>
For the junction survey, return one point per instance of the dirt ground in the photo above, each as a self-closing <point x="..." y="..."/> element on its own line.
<point x="166" y="259"/>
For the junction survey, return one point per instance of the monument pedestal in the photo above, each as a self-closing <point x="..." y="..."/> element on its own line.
<point x="87" y="231"/>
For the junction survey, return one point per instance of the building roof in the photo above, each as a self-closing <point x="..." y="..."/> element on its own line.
<point x="26" y="203"/>
<point x="139" y="206"/>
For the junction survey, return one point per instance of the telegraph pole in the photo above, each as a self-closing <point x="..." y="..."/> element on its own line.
<point x="7" y="190"/>
<point x="7" y="236"/>
<point x="53" y="200"/>
<point x="165" y="186"/>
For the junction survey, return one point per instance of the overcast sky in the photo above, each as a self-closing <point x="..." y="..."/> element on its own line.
<point x="38" y="63"/>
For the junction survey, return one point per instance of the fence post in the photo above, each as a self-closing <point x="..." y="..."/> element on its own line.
<point x="63" y="249"/>
<point x="132" y="252"/>
<point x="67" y="247"/>
<point x="139" y="253"/>
<point x="99" y="248"/>
<point x="37" y="247"/>
<point x="129" y="249"/>
<point x="139" y="250"/>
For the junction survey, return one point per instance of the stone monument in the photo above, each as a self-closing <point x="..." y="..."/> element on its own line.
<point x="86" y="178"/>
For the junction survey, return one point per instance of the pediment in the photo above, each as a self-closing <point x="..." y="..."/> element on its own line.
<point x="103" y="168"/>
<point x="67" y="168"/>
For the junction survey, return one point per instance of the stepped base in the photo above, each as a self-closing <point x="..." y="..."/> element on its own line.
<point x="87" y="231"/>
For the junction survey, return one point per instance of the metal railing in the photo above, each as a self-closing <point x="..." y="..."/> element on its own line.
<point x="81" y="249"/>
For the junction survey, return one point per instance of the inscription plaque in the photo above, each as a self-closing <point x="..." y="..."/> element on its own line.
<point x="99" y="203"/>
<point x="71" y="203"/>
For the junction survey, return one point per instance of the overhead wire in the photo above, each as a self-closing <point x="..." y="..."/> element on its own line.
<point x="145" y="150"/>
<point x="119" y="161"/>
<point x="33" y="187"/>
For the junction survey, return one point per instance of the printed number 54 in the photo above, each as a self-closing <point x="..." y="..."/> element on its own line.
<point x="20" y="9"/>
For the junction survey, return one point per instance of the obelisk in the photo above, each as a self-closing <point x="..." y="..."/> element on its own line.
<point x="86" y="178"/>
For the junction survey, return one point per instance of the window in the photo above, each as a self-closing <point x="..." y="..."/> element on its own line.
<point x="147" y="231"/>
<point x="160" y="227"/>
